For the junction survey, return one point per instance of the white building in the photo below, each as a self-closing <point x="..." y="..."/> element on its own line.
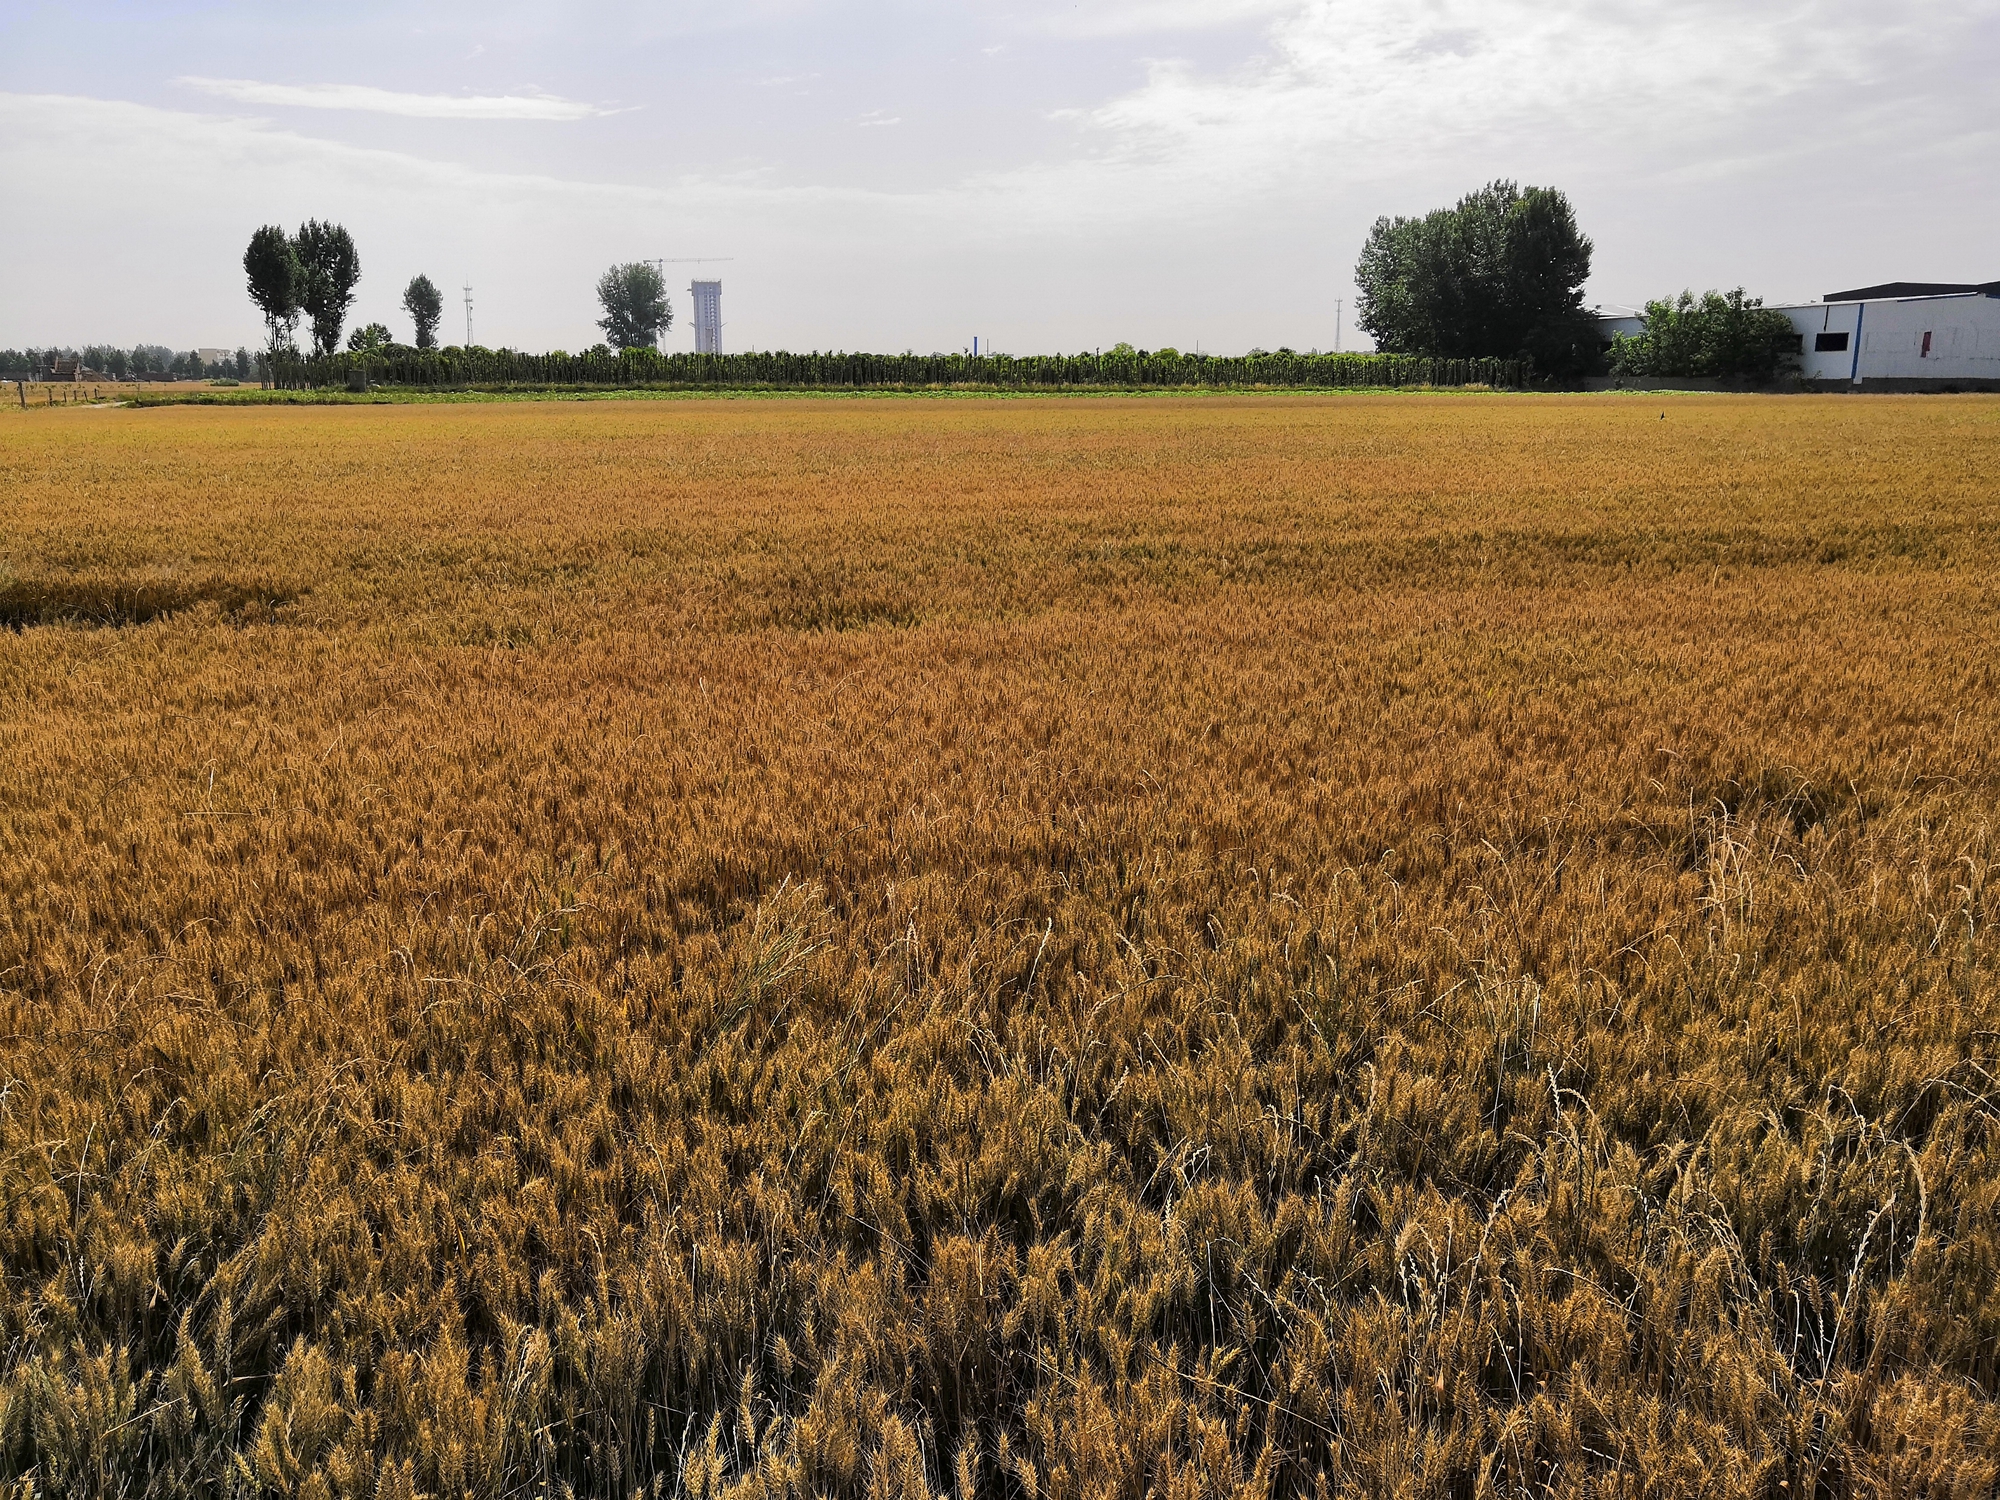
<point x="1899" y="336"/>
<point x="707" y="297"/>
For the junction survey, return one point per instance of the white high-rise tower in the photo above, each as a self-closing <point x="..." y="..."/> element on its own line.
<point x="707" y="316"/>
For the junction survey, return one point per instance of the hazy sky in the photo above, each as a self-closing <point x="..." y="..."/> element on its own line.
<point x="1045" y="174"/>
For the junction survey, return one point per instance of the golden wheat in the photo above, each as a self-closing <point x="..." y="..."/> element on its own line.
<point x="1406" y="946"/>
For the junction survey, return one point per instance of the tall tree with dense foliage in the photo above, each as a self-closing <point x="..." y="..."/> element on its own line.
<point x="1498" y="275"/>
<point x="277" y="284"/>
<point x="1718" y="335"/>
<point x="332" y="268"/>
<point x="425" y="305"/>
<point x="372" y="339"/>
<point x="106" y="360"/>
<point x="636" y="311"/>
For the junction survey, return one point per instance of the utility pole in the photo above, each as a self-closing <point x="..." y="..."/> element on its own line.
<point x="1339" y="308"/>
<point x="468" y="315"/>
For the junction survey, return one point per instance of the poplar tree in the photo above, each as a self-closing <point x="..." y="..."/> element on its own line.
<point x="332" y="268"/>
<point x="1499" y="275"/>
<point x="277" y="283"/>
<point x="425" y="305"/>
<point x="636" y="312"/>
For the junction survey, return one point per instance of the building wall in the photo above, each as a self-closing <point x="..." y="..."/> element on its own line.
<point x="1963" y="335"/>
<point x="707" y="316"/>
<point x="1964" y="340"/>
<point x="1826" y="323"/>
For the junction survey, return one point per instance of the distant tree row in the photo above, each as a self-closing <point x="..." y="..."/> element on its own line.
<point x="605" y="367"/>
<point x="313" y="274"/>
<point x="1497" y="276"/>
<point x="137" y="362"/>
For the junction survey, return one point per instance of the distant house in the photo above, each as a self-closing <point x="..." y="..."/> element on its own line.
<point x="210" y="358"/>
<point x="1896" y="336"/>
<point x="55" y="367"/>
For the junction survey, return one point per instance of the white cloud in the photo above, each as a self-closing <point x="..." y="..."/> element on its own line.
<point x="1114" y="18"/>
<point x="1789" y="145"/>
<point x="1409" y="100"/>
<point x="355" y="96"/>
<point x="1391" y="84"/>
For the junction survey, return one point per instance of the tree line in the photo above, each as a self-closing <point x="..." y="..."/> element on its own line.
<point x="313" y="275"/>
<point x="1121" y="367"/>
<point x="1500" y="275"/>
<point x="135" y="363"/>
<point x="1496" y="278"/>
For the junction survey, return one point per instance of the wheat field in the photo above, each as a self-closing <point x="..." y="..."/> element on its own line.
<point x="1048" y="949"/>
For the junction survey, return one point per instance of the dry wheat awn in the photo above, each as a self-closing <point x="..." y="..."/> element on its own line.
<point x="1279" y="947"/>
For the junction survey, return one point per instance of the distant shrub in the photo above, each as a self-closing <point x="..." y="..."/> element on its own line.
<point x="1719" y="335"/>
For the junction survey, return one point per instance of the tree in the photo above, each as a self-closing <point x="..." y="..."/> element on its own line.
<point x="277" y="284"/>
<point x="370" y="340"/>
<point x="425" y="305"/>
<point x="636" y="311"/>
<point x="332" y="267"/>
<point x="1719" y="335"/>
<point x="1499" y="275"/>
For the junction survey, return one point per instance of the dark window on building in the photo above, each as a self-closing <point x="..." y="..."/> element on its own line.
<point x="1790" y="343"/>
<point x="1829" y="343"/>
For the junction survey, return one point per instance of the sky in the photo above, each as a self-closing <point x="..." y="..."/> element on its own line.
<point x="1045" y="175"/>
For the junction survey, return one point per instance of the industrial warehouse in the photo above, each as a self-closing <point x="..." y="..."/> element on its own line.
<point x="1897" y="336"/>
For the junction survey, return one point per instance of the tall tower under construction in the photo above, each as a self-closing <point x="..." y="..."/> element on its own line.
<point x="707" y="316"/>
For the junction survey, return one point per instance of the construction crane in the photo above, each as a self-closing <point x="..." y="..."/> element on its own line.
<point x="686" y="260"/>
